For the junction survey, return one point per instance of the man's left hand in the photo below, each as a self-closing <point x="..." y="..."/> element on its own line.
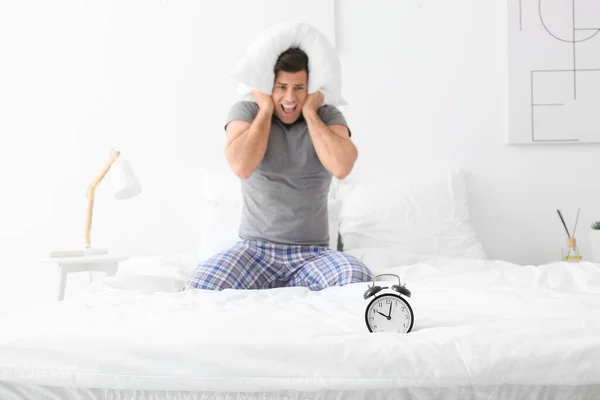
<point x="313" y="102"/>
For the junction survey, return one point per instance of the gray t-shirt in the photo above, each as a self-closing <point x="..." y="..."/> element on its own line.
<point x="285" y="198"/>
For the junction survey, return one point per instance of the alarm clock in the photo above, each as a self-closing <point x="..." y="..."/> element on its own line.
<point x="388" y="311"/>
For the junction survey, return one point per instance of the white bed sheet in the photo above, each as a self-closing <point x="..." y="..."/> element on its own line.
<point x="481" y="327"/>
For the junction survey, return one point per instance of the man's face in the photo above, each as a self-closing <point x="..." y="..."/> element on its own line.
<point x="289" y="92"/>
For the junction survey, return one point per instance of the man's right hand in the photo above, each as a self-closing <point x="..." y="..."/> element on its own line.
<point x="264" y="101"/>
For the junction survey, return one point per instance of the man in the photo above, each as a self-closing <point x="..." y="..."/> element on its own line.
<point x="285" y="149"/>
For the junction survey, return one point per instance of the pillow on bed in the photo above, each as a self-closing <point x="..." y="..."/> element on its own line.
<point x="408" y="219"/>
<point x="174" y="267"/>
<point x="255" y="69"/>
<point x="139" y="283"/>
<point x="221" y="212"/>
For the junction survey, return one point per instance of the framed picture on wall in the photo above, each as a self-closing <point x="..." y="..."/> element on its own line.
<point x="554" y="71"/>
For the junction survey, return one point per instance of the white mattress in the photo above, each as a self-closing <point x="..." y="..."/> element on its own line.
<point x="13" y="391"/>
<point x="482" y="328"/>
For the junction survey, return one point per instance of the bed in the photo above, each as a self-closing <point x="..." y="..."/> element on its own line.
<point x="483" y="329"/>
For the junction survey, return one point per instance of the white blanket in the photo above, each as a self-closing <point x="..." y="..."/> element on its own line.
<point x="477" y="324"/>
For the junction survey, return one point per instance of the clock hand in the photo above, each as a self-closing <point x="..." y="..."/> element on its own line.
<point x="383" y="315"/>
<point x="389" y="316"/>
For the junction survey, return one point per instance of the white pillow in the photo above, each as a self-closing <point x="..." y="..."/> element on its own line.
<point x="408" y="219"/>
<point x="221" y="212"/>
<point x="139" y="283"/>
<point x="255" y="69"/>
<point x="380" y="259"/>
<point x="177" y="267"/>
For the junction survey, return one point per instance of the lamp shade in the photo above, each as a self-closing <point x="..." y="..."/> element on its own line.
<point x="123" y="181"/>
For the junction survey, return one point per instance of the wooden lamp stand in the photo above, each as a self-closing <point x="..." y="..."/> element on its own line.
<point x="125" y="185"/>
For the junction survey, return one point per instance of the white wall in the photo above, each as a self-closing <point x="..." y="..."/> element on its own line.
<point x="426" y="83"/>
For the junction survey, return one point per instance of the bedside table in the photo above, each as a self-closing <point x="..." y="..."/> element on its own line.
<point x="66" y="265"/>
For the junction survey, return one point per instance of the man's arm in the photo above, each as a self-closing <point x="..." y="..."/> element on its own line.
<point x="332" y="143"/>
<point x="247" y="142"/>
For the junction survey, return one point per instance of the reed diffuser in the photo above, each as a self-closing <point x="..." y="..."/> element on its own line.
<point x="595" y="241"/>
<point x="571" y="253"/>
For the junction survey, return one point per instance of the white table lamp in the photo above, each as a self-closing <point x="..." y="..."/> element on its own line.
<point x="123" y="181"/>
<point x="124" y="185"/>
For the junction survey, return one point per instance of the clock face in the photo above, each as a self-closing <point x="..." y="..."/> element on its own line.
<point x="389" y="313"/>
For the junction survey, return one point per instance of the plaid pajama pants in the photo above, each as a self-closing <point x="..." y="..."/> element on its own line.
<point x="252" y="264"/>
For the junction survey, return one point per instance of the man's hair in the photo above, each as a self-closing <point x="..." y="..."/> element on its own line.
<point x="292" y="60"/>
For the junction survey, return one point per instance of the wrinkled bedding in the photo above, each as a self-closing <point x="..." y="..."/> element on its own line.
<point x="481" y="327"/>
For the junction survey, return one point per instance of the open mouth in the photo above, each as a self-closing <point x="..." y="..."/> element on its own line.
<point x="288" y="109"/>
